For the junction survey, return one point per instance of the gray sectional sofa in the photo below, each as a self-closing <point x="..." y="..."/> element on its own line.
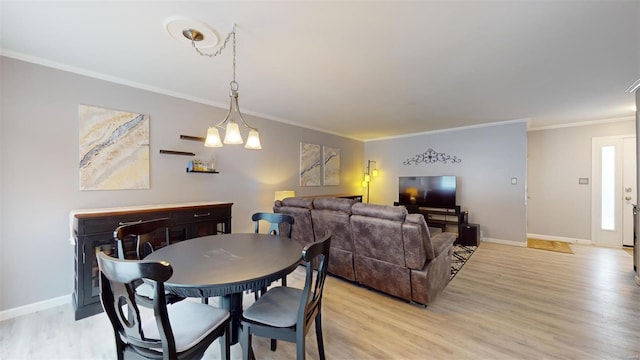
<point x="379" y="246"/>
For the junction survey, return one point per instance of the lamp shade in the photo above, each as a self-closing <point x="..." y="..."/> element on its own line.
<point x="253" y="140"/>
<point x="281" y="194"/>
<point x="232" y="135"/>
<point x="213" y="138"/>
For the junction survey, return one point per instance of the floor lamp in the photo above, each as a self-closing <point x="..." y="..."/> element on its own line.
<point x="369" y="174"/>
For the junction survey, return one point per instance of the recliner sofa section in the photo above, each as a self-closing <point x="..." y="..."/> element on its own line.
<point x="333" y="214"/>
<point x="378" y="246"/>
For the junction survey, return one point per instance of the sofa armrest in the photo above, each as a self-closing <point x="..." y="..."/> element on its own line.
<point x="442" y="242"/>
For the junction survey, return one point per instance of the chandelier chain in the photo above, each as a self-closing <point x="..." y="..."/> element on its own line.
<point x="224" y="45"/>
<point x="230" y="36"/>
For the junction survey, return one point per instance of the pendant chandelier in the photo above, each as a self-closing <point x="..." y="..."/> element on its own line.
<point x="234" y="119"/>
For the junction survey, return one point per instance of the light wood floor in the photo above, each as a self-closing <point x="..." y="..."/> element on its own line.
<point x="506" y="303"/>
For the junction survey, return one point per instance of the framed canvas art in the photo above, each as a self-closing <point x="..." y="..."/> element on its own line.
<point x="114" y="149"/>
<point x="331" y="168"/>
<point x="310" y="164"/>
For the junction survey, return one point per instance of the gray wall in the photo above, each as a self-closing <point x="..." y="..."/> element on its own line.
<point x="490" y="155"/>
<point x="558" y="206"/>
<point x="40" y="181"/>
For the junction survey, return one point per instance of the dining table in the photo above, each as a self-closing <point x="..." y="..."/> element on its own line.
<point x="227" y="265"/>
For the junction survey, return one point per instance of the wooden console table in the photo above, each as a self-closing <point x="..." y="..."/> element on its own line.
<point x="357" y="198"/>
<point x="92" y="231"/>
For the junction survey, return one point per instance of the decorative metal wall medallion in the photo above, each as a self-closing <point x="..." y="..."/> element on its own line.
<point x="431" y="157"/>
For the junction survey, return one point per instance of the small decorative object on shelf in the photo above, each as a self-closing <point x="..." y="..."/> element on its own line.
<point x="197" y="165"/>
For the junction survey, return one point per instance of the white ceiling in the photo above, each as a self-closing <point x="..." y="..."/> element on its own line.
<point x="361" y="69"/>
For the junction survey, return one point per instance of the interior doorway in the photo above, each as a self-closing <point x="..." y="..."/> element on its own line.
<point x="613" y="190"/>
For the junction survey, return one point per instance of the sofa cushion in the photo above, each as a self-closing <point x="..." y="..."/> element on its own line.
<point x="397" y="213"/>
<point x="332" y="215"/>
<point x="329" y="215"/>
<point x="378" y="238"/>
<point x="296" y="202"/>
<point x="336" y="204"/>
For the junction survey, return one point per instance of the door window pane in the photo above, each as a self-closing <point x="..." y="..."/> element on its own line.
<point x="608" y="187"/>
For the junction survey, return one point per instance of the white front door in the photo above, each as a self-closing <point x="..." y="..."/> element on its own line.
<point x="613" y="189"/>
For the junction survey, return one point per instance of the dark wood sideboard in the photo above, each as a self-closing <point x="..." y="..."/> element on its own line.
<point x="93" y="232"/>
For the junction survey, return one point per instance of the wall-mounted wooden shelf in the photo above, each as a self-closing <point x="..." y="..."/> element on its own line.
<point x="173" y="152"/>
<point x="203" y="172"/>
<point x="192" y="138"/>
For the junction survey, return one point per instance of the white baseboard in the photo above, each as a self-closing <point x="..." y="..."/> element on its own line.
<point x="31" y="308"/>
<point x="504" y="242"/>
<point x="558" y="238"/>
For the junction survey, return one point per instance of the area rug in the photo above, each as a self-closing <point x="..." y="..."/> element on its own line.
<point x="558" y="246"/>
<point x="461" y="253"/>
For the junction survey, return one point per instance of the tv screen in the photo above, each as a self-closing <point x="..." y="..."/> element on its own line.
<point x="428" y="191"/>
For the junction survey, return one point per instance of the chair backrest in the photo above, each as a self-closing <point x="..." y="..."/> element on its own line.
<point x="314" y="255"/>
<point x="278" y="223"/>
<point x="117" y="294"/>
<point x="300" y="210"/>
<point x="139" y="230"/>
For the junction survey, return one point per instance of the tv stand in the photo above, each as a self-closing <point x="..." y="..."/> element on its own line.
<point x="439" y="217"/>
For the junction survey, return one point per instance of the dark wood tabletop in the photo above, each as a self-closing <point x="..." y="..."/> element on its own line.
<point x="226" y="265"/>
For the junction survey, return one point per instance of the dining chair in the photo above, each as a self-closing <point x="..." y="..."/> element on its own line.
<point x="141" y="232"/>
<point x="277" y="223"/>
<point x="286" y="313"/>
<point x="182" y="330"/>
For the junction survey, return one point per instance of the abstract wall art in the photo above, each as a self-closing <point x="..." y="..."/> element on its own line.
<point x="331" y="168"/>
<point x="114" y="149"/>
<point x="310" y="164"/>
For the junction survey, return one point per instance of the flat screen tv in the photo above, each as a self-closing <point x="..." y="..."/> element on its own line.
<point x="428" y="191"/>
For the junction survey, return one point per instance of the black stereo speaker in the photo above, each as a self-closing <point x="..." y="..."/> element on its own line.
<point x="469" y="234"/>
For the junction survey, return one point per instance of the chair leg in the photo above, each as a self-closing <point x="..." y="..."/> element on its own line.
<point x="319" y="336"/>
<point x="245" y="343"/>
<point x="274" y="344"/>
<point x="284" y="281"/>
<point x="300" y="345"/>
<point x="225" y="352"/>
<point x="120" y="347"/>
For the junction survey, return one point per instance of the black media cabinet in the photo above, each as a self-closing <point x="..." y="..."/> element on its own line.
<point x="468" y="234"/>
<point x="439" y="217"/>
